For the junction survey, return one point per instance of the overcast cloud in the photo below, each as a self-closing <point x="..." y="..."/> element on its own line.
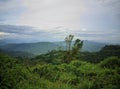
<point x="52" y="20"/>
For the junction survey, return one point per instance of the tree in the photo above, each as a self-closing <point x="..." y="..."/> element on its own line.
<point x="77" y="46"/>
<point x="68" y="41"/>
<point x="72" y="51"/>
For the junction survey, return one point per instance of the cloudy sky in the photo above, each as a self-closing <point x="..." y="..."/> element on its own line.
<point x="52" y="20"/>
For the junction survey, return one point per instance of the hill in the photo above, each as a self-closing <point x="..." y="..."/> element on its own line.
<point x="44" y="47"/>
<point x="34" y="48"/>
<point x="90" y="46"/>
<point x="78" y="74"/>
<point x="18" y="54"/>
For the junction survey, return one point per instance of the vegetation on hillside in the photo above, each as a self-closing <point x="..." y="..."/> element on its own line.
<point x="63" y="69"/>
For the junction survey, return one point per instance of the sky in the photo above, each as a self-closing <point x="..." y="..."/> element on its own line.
<point x="53" y="20"/>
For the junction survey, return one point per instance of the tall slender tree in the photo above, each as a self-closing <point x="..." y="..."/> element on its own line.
<point x="72" y="51"/>
<point x="68" y="41"/>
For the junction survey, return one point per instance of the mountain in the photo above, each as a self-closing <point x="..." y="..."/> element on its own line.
<point x="92" y="46"/>
<point x="18" y="54"/>
<point x="34" y="48"/>
<point x="3" y="42"/>
<point x="43" y="47"/>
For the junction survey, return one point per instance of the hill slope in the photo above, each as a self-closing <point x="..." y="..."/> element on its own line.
<point x="92" y="46"/>
<point x="34" y="48"/>
<point x="43" y="47"/>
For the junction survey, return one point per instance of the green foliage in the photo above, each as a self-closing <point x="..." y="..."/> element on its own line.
<point x="105" y="52"/>
<point x="53" y="57"/>
<point x="10" y="74"/>
<point x="110" y="50"/>
<point x="111" y="62"/>
<point x="49" y="72"/>
<point x="76" y="63"/>
<point x="70" y="54"/>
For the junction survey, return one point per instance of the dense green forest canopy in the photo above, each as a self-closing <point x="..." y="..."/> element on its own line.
<point x="63" y="69"/>
<point x="93" y="57"/>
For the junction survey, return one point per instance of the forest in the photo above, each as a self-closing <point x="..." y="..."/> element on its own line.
<point x="70" y="68"/>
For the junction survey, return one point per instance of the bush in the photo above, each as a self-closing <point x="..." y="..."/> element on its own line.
<point x="76" y="63"/>
<point x="10" y="72"/>
<point x="111" y="63"/>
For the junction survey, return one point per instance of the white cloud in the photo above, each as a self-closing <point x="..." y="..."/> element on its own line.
<point x="3" y="33"/>
<point x="52" y="13"/>
<point x="57" y="18"/>
<point x="72" y="14"/>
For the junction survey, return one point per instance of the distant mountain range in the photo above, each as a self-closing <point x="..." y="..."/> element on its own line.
<point x="44" y="47"/>
<point x="34" y="48"/>
<point x="92" y="46"/>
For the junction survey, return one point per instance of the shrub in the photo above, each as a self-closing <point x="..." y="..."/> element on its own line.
<point x="111" y="63"/>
